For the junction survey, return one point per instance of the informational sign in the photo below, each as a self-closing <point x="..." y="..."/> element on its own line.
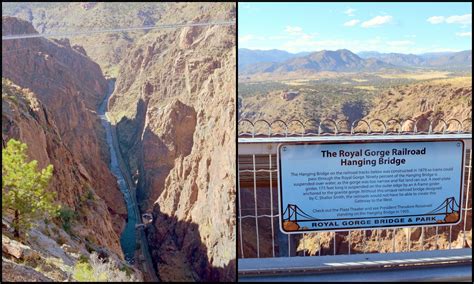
<point x="342" y="186"/>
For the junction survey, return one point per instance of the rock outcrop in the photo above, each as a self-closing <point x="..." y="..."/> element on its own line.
<point x="288" y="96"/>
<point x="174" y="106"/>
<point x="421" y="121"/>
<point x="14" y="272"/>
<point x="45" y="256"/>
<point x="17" y="249"/>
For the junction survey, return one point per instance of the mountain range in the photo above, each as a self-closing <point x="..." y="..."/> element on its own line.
<point x="436" y="59"/>
<point x="249" y="56"/>
<point x="278" y="61"/>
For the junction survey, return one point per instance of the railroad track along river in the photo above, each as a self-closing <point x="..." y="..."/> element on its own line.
<point x="129" y="237"/>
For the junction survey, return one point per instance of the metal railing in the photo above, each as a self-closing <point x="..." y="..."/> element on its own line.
<point x="259" y="236"/>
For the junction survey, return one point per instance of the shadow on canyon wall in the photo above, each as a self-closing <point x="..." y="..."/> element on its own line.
<point x="129" y="140"/>
<point x="175" y="245"/>
<point x="179" y="254"/>
<point x="149" y="157"/>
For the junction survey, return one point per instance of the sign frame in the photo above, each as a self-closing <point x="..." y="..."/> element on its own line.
<point x="355" y="141"/>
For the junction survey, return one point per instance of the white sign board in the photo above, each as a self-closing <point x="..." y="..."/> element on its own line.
<point x="343" y="186"/>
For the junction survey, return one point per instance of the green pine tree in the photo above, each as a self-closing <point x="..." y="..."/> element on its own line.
<point x="23" y="188"/>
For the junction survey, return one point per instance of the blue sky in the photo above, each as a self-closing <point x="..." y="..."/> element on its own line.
<point x="384" y="27"/>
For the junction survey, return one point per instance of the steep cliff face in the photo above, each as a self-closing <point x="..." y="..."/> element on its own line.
<point x="26" y="119"/>
<point x="174" y="106"/>
<point x="70" y="86"/>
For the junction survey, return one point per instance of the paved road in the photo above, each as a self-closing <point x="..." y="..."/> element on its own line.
<point x="118" y="168"/>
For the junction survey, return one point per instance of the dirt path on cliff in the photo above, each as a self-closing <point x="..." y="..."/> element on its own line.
<point x="117" y="166"/>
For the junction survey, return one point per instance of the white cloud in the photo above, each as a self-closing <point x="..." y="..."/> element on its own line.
<point x="248" y="7"/>
<point x="435" y="19"/>
<point x="466" y="34"/>
<point x="455" y="19"/>
<point x="377" y="21"/>
<point x="307" y="36"/>
<point x="350" y="12"/>
<point x="293" y="30"/>
<point x="351" y="23"/>
<point x="245" y="38"/>
<point x="297" y="32"/>
<point x="463" y="19"/>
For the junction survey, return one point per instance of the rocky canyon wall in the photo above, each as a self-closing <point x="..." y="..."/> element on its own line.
<point x="439" y="101"/>
<point x="174" y="109"/>
<point x="56" y="118"/>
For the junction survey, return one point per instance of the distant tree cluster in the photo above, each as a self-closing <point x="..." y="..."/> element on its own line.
<point x="260" y="88"/>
